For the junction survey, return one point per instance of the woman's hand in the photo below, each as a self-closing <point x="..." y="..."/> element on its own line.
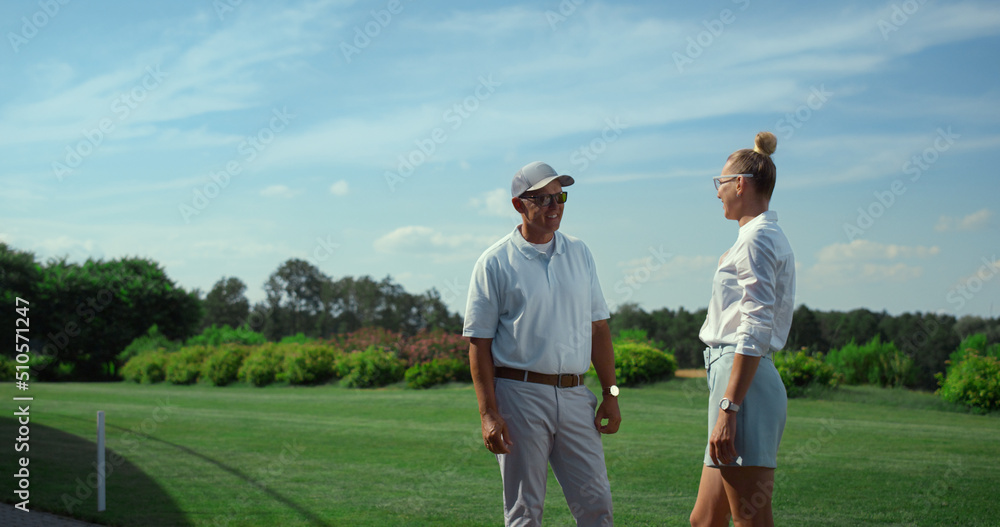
<point x="722" y="443"/>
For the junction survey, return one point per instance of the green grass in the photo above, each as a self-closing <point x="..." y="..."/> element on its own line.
<point x="333" y="456"/>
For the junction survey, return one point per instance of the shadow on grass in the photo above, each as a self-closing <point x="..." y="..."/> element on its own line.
<point x="63" y="480"/>
<point x="142" y="491"/>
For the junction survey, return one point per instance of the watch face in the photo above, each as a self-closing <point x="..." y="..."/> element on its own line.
<point x="724" y="404"/>
<point x="613" y="390"/>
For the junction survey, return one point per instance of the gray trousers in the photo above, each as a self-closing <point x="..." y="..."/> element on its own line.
<point x="550" y="425"/>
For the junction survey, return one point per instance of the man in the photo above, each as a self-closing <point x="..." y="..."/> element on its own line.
<point x="537" y="319"/>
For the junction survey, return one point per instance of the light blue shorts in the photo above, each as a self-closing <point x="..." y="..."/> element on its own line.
<point x="761" y="419"/>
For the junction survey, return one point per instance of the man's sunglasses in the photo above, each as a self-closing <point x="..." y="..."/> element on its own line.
<point x="544" y="200"/>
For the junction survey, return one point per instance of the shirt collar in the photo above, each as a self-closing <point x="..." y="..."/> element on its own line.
<point x="766" y="216"/>
<point x="529" y="250"/>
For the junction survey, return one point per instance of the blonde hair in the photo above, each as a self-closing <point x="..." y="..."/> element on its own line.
<point x="758" y="162"/>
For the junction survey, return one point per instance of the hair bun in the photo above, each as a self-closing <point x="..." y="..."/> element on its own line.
<point x="765" y="143"/>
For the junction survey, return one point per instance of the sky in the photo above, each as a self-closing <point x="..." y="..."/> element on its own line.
<point x="224" y="137"/>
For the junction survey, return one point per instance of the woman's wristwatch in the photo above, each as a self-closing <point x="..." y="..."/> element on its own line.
<point x="728" y="406"/>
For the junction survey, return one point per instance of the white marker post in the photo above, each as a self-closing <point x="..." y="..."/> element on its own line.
<point x="100" y="461"/>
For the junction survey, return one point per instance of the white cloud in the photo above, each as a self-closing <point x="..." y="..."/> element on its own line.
<point x="865" y="262"/>
<point x="73" y="249"/>
<point x="975" y="221"/>
<point x="340" y="188"/>
<point x="278" y="191"/>
<point x="494" y="203"/>
<point x="421" y="240"/>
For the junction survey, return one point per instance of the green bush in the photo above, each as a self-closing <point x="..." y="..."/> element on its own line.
<point x="972" y="377"/>
<point x="7" y="368"/>
<point x="308" y="363"/>
<point x="222" y="365"/>
<point x="975" y="344"/>
<point x="153" y="340"/>
<point x="800" y="369"/>
<point x="370" y="368"/>
<point x="262" y="366"/>
<point x="298" y="338"/>
<point x="146" y="368"/>
<point x="437" y="371"/>
<point x="974" y="382"/>
<point x="639" y="362"/>
<point x="875" y="362"/>
<point x="217" y="336"/>
<point x="184" y="365"/>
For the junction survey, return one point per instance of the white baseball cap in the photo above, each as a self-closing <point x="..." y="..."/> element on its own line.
<point x="534" y="176"/>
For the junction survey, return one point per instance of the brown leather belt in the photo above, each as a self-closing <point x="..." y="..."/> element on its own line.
<point x="564" y="380"/>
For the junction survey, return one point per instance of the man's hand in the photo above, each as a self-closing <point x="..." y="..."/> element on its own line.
<point x="608" y="410"/>
<point x="495" y="434"/>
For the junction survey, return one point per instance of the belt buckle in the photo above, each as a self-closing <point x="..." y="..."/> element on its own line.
<point x="559" y="378"/>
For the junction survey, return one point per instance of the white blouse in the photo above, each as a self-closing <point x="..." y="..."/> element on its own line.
<point x="753" y="291"/>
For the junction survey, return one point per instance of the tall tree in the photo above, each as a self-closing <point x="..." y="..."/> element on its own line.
<point x="297" y="296"/>
<point x="95" y="309"/>
<point x="226" y="303"/>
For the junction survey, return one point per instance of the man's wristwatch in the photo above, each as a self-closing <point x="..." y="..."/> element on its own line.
<point x="728" y="406"/>
<point x="611" y="390"/>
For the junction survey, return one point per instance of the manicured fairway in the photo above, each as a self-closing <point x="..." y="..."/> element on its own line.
<point x="198" y="455"/>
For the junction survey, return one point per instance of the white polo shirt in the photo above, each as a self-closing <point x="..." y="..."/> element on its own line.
<point x="537" y="309"/>
<point x="753" y="291"/>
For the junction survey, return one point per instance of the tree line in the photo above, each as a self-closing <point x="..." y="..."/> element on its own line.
<point x="927" y="338"/>
<point x="84" y="314"/>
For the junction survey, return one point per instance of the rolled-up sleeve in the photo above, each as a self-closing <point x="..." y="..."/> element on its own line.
<point x="482" y="309"/>
<point x="756" y="275"/>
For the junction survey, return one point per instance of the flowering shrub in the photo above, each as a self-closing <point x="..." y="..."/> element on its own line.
<point x="366" y="337"/>
<point x="427" y="346"/>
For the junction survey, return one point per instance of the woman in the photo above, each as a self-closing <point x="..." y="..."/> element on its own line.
<point x="753" y="293"/>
